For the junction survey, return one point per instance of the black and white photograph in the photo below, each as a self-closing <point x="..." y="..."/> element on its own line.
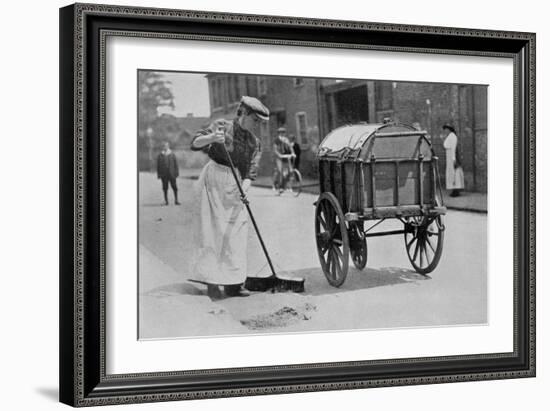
<point x="278" y="204"/>
<point x="243" y="205"/>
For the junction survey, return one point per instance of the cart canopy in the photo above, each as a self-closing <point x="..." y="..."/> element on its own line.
<point x="381" y="141"/>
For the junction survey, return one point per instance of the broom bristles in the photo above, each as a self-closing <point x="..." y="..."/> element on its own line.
<point x="276" y="283"/>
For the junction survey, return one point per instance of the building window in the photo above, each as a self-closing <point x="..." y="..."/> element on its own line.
<point x="229" y="82"/>
<point x="298" y="81"/>
<point x="222" y="85"/>
<point x="236" y="88"/>
<point x="280" y="116"/>
<point x="218" y="95"/>
<point x="213" y="92"/>
<point x="233" y="89"/>
<point x="264" y="133"/>
<point x="252" y="86"/>
<point x="383" y="95"/>
<point x="301" y="127"/>
<point x="216" y="92"/>
<point x="262" y="86"/>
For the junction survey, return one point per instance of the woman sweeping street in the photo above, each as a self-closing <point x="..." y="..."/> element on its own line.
<point x="223" y="221"/>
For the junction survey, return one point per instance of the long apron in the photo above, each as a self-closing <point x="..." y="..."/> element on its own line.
<point x="222" y="228"/>
<point x="454" y="177"/>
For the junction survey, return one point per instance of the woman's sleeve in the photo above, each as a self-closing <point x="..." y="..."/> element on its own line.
<point x="254" y="163"/>
<point x="199" y="133"/>
<point x="209" y="130"/>
<point x="227" y="125"/>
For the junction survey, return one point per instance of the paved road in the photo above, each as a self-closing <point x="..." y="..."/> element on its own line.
<point x="388" y="293"/>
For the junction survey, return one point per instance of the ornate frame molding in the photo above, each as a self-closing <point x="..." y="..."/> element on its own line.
<point x="82" y="387"/>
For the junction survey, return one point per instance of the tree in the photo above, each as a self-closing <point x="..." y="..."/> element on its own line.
<point x="154" y="92"/>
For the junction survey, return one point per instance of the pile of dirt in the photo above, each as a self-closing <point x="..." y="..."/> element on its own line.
<point x="280" y="318"/>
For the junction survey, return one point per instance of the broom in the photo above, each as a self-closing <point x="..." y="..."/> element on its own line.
<point x="273" y="282"/>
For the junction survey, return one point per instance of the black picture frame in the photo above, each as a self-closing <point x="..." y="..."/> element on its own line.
<point x="83" y="29"/>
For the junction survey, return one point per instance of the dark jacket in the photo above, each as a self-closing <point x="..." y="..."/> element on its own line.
<point x="243" y="147"/>
<point x="281" y="147"/>
<point x="167" y="166"/>
<point x="298" y="151"/>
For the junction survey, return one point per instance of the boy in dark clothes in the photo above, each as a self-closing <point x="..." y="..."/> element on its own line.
<point x="167" y="171"/>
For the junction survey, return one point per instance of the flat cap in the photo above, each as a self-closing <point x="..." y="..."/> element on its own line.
<point x="256" y="106"/>
<point x="281" y="130"/>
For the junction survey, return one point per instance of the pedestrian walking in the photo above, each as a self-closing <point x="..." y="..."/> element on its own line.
<point x="223" y="221"/>
<point x="168" y="171"/>
<point x="454" y="175"/>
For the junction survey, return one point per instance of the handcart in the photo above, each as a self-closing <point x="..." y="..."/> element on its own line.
<point x="376" y="172"/>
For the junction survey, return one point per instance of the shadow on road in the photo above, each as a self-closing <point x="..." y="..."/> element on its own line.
<point x="159" y="204"/>
<point x="317" y="284"/>
<point x="175" y="289"/>
<point x="315" y="281"/>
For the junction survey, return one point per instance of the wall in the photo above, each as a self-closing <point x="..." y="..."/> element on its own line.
<point x="282" y="94"/>
<point x="463" y="106"/>
<point x="29" y="208"/>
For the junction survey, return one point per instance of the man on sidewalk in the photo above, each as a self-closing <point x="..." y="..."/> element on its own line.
<point x="167" y="171"/>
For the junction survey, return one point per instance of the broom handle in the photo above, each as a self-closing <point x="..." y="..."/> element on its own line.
<point x="245" y="201"/>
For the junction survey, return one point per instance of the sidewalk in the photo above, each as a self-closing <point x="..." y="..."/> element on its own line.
<point x="467" y="201"/>
<point x="309" y="185"/>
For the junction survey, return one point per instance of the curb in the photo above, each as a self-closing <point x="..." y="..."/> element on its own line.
<point x="467" y="209"/>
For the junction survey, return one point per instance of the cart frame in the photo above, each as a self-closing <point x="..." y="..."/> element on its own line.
<point x="357" y="194"/>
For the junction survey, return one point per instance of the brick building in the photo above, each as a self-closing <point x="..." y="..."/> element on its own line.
<point x="434" y="104"/>
<point x="309" y="108"/>
<point x="292" y="101"/>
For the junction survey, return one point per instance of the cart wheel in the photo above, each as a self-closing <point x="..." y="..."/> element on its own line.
<point x="332" y="239"/>
<point x="424" y="242"/>
<point x="295" y="182"/>
<point x="358" y="245"/>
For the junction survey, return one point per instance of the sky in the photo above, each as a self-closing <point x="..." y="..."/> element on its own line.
<point x="190" y="94"/>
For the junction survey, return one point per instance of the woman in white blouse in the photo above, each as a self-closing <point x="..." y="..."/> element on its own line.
<point x="454" y="175"/>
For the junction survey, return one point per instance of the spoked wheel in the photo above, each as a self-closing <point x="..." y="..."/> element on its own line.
<point x="332" y="239"/>
<point x="424" y="242"/>
<point x="357" y="244"/>
<point x="295" y="182"/>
